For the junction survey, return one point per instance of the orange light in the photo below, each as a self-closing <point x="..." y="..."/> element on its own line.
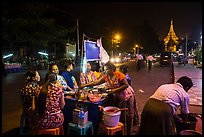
<point x="117" y="36"/>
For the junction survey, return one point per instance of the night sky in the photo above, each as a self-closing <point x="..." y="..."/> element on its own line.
<point x="104" y="19"/>
<point x="122" y="17"/>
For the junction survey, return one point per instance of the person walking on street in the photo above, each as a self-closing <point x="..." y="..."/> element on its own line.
<point x="150" y="59"/>
<point x="139" y="62"/>
<point x="159" y="113"/>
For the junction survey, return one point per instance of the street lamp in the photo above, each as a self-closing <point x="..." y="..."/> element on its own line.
<point x="137" y="49"/>
<point x="42" y="53"/>
<point x="134" y="49"/>
<point x="117" y="37"/>
<point x="9" y="55"/>
<point x="116" y="41"/>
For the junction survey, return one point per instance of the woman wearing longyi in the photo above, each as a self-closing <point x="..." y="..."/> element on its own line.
<point x="123" y="92"/>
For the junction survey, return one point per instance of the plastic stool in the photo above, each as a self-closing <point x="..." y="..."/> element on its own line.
<point x="24" y="120"/>
<point x="113" y="130"/>
<point x="80" y="130"/>
<point x="54" y="131"/>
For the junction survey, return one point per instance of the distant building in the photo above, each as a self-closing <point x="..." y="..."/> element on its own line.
<point x="70" y="51"/>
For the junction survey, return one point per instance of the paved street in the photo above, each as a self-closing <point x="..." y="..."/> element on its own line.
<point x="11" y="103"/>
<point x="195" y="74"/>
<point x="148" y="82"/>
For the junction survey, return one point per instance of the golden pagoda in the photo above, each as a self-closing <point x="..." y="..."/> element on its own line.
<point x="171" y="40"/>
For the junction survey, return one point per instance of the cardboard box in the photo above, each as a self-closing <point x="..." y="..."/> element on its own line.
<point x="75" y="117"/>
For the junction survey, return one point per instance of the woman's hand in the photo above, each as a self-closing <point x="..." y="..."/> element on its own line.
<point x="82" y="86"/>
<point x="110" y="90"/>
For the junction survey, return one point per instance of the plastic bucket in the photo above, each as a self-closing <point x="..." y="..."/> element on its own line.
<point x="111" y="119"/>
<point x="188" y="124"/>
<point x="189" y="132"/>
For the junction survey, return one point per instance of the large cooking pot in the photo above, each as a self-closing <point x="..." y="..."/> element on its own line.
<point x="111" y="118"/>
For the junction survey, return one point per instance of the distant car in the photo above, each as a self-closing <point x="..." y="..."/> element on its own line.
<point x="116" y="59"/>
<point x="165" y="59"/>
<point x="182" y="59"/>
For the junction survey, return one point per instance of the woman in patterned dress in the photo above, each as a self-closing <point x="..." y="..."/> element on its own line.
<point x="28" y="94"/>
<point x="50" y="103"/>
<point x="124" y="94"/>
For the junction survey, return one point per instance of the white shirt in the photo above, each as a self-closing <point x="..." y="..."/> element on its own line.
<point x="174" y="95"/>
<point x="150" y="58"/>
<point x="139" y="57"/>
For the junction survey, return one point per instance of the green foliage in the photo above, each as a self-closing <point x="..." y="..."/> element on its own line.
<point x="27" y="25"/>
<point x="198" y="53"/>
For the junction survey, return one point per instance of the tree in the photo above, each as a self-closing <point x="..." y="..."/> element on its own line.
<point x="29" y="25"/>
<point x="148" y="39"/>
<point x="198" y="54"/>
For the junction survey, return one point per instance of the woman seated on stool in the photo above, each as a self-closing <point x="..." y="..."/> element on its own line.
<point x="124" y="94"/>
<point x="49" y="105"/>
<point x="29" y="92"/>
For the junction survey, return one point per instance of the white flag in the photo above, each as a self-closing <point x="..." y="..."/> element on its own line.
<point x="104" y="57"/>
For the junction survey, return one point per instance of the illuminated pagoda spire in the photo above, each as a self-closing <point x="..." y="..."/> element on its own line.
<point x="171" y="39"/>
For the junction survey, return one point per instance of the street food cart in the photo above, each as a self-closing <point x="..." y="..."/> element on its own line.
<point x="94" y="114"/>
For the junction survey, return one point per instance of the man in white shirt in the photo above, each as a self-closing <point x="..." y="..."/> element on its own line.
<point x="139" y="62"/>
<point x="158" y="114"/>
<point x="150" y="59"/>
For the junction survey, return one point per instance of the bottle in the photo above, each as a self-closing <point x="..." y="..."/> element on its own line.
<point x="76" y="92"/>
<point x="81" y="118"/>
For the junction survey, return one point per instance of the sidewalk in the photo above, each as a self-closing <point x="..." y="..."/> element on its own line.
<point x="195" y="74"/>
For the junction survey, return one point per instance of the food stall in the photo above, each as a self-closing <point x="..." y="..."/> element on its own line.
<point x="91" y="99"/>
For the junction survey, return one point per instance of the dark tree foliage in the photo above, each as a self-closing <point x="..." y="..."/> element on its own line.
<point x="147" y="38"/>
<point x="29" y="25"/>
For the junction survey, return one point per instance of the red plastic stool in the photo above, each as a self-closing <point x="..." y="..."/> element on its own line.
<point x="113" y="130"/>
<point x="54" y="131"/>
